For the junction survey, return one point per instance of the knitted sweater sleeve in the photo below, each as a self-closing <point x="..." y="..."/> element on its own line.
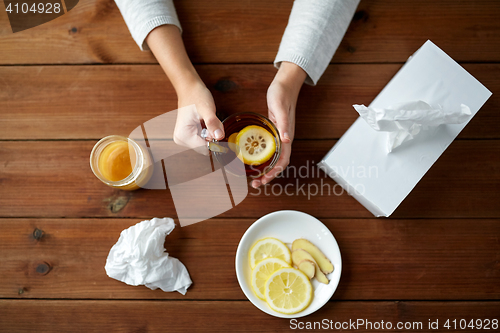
<point x="314" y="31"/>
<point x="142" y="16"/>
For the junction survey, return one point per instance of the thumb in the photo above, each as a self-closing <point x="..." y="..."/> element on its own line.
<point x="213" y="124"/>
<point x="282" y="122"/>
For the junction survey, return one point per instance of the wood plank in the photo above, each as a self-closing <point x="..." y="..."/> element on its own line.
<point x="226" y="31"/>
<point x="53" y="179"/>
<point x="90" y="102"/>
<point x="241" y="316"/>
<point x="383" y="259"/>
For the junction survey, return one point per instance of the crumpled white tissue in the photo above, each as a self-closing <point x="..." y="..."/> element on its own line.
<point x="406" y="120"/>
<point x="139" y="258"/>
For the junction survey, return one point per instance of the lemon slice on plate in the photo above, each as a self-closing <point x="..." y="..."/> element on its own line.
<point x="288" y="291"/>
<point x="269" y="248"/>
<point x="261" y="273"/>
<point x="256" y="144"/>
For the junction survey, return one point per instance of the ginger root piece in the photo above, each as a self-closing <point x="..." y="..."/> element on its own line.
<point x="307" y="267"/>
<point x="321" y="260"/>
<point x="300" y="255"/>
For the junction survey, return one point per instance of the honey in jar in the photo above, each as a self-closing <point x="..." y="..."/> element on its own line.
<point x="121" y="162"/>
<point x="115" y="162"/>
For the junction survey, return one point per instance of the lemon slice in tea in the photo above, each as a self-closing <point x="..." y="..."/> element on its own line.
<point x="256" y="144"/>
<point x="232" y="138"/>
<point x="232" y="142"/>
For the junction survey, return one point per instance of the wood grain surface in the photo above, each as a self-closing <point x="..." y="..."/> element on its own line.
<point x="91" y="102"/>
<point x="53" y="179"/>
<point x="404" y="259"/>
<point x="226" y="31"/>
<point x="236" y="316"/>
<point x="67" y="83"/>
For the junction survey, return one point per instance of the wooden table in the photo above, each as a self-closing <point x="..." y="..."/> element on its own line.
<point x="68" y="83"/>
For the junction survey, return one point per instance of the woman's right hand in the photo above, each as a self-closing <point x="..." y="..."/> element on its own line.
<point x="196" y="104"/>
<point x="166" y="43"/>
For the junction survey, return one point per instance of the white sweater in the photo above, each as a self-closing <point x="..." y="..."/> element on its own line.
<point x="313" y="34"/>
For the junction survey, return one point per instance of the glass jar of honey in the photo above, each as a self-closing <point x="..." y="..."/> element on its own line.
<point x="121" y="163"/>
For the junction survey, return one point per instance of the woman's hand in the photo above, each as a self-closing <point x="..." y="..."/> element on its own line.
<point x="281" y="101"/>
<point x="196" y="104"/>
<point x="166" y="44"/>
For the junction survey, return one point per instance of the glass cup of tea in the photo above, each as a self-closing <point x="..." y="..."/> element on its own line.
<point x="252" y="138"/>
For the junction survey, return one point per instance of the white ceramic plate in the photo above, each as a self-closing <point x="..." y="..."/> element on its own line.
<point x="287" y="226"/>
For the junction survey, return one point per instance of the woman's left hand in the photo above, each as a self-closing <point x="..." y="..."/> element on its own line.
<point x="281" y="101"/>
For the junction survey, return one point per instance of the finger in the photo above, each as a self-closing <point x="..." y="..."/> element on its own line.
<point x="280" y="116"/>
<point x="205" y="134"/>
<point x="278" y="168"/>
<point x="213" y="124"/>
<point x="256" y="182"/>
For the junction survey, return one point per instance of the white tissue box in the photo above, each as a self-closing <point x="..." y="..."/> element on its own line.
<point x="360" y="162"/>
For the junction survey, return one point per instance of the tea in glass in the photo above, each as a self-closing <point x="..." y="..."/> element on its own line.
<point x="252" y="138"/>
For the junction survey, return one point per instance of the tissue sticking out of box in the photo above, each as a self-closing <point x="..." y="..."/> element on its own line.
<point x="139" y="258"/>
<point x="404" y="121"/>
